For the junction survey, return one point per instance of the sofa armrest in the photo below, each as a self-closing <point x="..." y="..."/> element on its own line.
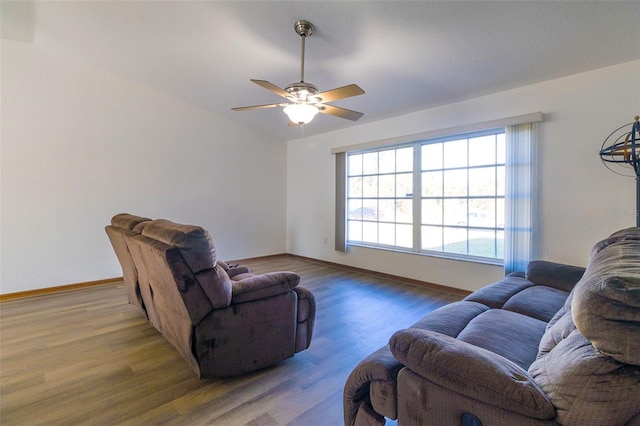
<point x="379" y="366"/>
<point x="557" y="275"/>
<point x="263" y="286"/>
<point x="471" y="371"/>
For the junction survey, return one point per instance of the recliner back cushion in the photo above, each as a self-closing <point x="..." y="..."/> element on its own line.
<point x="128" y="221"/>
<point x="198" y="251"/>
<point x="195" y="243"/>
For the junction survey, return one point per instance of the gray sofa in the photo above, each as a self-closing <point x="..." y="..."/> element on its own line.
<point x="221" y="327"/>
<point x="557" y="344"/>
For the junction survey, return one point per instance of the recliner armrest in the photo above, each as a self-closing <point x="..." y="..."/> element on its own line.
<point x="471" y="371"/>
<point x="237" y="270"/>
<point x="233" y="270"/>
<point x="557" y="275"/>
<point x="263" y="286"/>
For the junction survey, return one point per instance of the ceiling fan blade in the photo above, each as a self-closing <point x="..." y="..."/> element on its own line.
<point x="341" y="112"/>
<point x="271" y="87"/>
<point x="257" y="107"/>
<point x="340" y="93"/>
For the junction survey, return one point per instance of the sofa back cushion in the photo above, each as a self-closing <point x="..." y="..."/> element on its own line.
<point x="588" y="358"/>
<point x="606" y="302"/>
<point x="621" y="235"/>
<point x="586" y="386"/>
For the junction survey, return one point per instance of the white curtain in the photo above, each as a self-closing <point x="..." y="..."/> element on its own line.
<point x="520" y="197"/>
<point x="341" y="200"/>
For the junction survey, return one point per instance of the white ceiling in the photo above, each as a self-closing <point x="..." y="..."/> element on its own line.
<point x="406" y="55"/>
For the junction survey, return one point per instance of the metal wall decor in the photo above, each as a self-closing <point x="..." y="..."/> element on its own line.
<point x="621" y="151"/>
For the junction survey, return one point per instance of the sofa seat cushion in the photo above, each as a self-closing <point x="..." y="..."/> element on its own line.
<point x="511" y="335"/>
<point x="540" y="302"/>
<point x="497" y="294"/>
<point x="518" y="294"/>
<point x="451" y="319"/>
<point x="586" y="386"/>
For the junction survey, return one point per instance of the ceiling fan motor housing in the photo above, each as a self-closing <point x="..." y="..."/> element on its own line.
<point x="302" y="92"/>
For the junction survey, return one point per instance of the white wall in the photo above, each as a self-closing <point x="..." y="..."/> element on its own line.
<point x="580" y="202"/>
<point x="79" y="145"/>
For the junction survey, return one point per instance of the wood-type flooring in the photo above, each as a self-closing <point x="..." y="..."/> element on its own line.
<point x="87" y="357"/>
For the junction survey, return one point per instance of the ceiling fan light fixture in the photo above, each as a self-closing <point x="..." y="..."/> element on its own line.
<point x="301" y="113"/>
<point x="306" y="100"/>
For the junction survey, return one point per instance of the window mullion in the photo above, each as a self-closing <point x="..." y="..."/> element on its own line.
<point x="468" y="198"/>
<point x="417" y="195"/>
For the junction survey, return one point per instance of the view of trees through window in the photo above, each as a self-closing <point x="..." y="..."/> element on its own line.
<point x="439" y="196"/>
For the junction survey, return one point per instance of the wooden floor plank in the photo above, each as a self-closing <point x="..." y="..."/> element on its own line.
<point x="88" y="357"/>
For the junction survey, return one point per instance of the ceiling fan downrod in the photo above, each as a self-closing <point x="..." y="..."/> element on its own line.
<point x="304" y="30"/>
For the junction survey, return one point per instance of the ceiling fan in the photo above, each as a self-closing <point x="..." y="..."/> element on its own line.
<point x="305" y="100"/>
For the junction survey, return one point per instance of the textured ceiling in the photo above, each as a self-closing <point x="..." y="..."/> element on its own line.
<point x="406" y="55"/>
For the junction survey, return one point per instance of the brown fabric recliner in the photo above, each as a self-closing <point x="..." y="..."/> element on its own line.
<point x="128" y="224"/>
<point x="221" y="327"/>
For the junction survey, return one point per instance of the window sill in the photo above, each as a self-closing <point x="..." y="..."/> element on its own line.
<point x="439" y="255"/>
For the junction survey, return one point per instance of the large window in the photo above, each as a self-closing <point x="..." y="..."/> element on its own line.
<point x="462" y="192"/>
<point x="441" y="196"/>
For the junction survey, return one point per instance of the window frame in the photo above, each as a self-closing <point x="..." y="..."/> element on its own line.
<point x="417" y="197"/>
